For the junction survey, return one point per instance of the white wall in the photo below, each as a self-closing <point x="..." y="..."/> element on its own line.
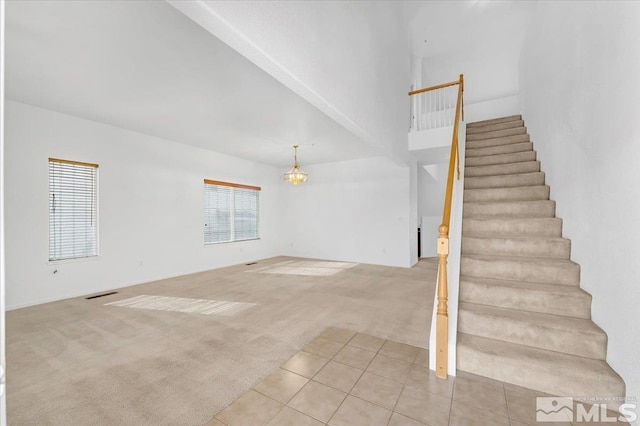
<point x="581" y="100"/>
<point x="414" y="222"/>
<point x="150" y="206"/>
<point x="355" y="211"/>
<point x="349" y="59"/>
<point x="3" y="396"/>
<point x="488" y="73"/>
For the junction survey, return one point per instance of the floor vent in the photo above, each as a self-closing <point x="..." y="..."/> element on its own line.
<point x="101" y="295"/>
<point x="252" y="263"/>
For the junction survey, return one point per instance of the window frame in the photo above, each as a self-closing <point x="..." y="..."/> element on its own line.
<point x="95" y="194"/>
<point x="232" y="211"/>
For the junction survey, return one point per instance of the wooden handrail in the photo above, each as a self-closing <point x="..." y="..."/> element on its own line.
<point x="442" y="315"/>
<point x="439" y="86"/>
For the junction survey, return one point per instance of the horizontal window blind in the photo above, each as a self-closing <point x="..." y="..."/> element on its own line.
<point x="73" y="203"/>
<point x="230" y="212"/>
<point x="245" y="219"/>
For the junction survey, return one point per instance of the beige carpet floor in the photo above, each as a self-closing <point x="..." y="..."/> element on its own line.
<point x="81" y="362"/>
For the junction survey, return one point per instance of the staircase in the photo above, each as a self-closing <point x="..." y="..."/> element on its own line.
<point x="523" y="318"/>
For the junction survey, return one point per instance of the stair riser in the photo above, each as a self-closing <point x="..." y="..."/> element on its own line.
<point x="576" y="305"/>
<point x="551" y="227"/>
<point x="500" y="149"/>
<point x="527" y="193"/>
<point x="494" y="127"/>
<point x="541" y="209"/>
<point x="520" y="247"/>
<point x="541" y="376"/>
<point x="521" y="332"/>
<point x="497" y="141"/>
<point x="502" y="269"/>
<point x="489" y="160"/>
<point x="503" y="169"/>
<point x="504" y="181"/>
<point x="494" y="121"/>
<point x="496" y="134"/>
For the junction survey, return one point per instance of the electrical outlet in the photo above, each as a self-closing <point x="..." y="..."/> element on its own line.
<point x="140" y="264"/>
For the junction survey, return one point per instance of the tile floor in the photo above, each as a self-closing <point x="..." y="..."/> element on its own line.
<point x="344" y="378"/>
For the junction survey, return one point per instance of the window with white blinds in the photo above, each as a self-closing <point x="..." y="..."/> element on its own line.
<point x="73" y="209"/>
<point x="230" y="212"/>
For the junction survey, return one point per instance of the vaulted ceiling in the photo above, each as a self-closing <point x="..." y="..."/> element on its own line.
<point x="144" y="66"/>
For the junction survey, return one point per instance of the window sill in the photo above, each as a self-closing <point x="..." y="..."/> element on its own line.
<point x="74" y="260"/>
<point x="230" y="242"/>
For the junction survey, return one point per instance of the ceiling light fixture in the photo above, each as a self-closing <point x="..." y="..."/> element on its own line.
<point x="295" y="175"/>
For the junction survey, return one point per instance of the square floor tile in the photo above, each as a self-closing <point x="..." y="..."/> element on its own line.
<point x="522" y="407"/>
<point x="525" y="391"/>
<point x="481" y="395"/>
<point x="422" y="358"/>
<point x="252" y="408"/>
<point x="323" y="347"/>
<point x="377" y="389"/>
<point x="318" y="401"/>
<point x="339" y="376"/>
<point x="466" y="415"/>
<point x="426" y="379"/>
<point x="305" y="364"/>
<point x="364" y="341"/>
<point x="356" y="412"/>
<point x="517" y="423"/>
<point x="354" y="357"/>
<point x="476" y="378"/>
<point x="424" y="406"/>
<point x="339" y="335"/>
<point x="290" y="417"/>
<point x="214" y="422"/>
<point x="281" y="385"/>
<point x="398" y="419"/>
<point x="400" y="351"/>
<point x="390" y="368"/>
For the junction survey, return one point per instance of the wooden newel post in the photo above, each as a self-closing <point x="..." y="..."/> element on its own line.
<point x="442" y="318"/>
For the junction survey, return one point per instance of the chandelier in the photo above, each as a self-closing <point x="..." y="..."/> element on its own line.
<point x="295" y="175"/>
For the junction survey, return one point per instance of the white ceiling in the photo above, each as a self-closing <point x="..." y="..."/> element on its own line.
<point x="465" y="25"/>
<point x="143" y="66"/>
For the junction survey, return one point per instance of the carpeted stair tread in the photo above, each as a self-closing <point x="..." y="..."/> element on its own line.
<point x="530" y="269"/>
<point x="503" y="140"/>
<point x="502" y="169"/>
<point x="497" y="134"/>
<point x="521" y="209"/>
<point x="488" y="160"/>
<point x="520" y="193"/>
<point x="539" y="369"/>
<point x="505" y="181"/>
<point x="499" y="149"/>
<point x="495" y="126"/>
<point x="574" y="336"/>
<point x="510" y="226"/>
<point x="530" y="246"/>
<point x="483" y="123"/>
<point x="531" y="297"/>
